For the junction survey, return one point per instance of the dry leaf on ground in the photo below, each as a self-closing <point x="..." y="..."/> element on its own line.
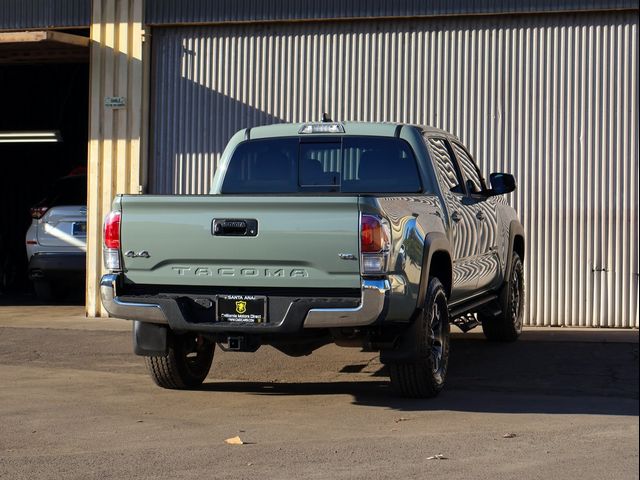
<point x="234" y="441"/>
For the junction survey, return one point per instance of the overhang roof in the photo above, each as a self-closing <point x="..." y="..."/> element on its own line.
<point x="43" y="47"/>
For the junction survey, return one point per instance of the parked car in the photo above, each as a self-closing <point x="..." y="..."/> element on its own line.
<point x="57" y="239"/>
<point x="362" y="234"/>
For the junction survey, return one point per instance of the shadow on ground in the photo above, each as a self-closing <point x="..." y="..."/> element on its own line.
<point x="535" y="375"/>
<point x="380" y="394"/>
<point x="522" y="377"/>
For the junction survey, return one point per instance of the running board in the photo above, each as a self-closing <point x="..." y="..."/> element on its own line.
<point x="471" y="305"/>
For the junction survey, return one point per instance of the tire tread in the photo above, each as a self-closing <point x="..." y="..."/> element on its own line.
<point x="414" y="379"/>
<point x="165" y="371"/>
<point x="499" y="328"/>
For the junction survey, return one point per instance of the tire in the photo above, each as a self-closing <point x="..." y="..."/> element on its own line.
<point x="507" y="326"/>
<point x="185" y="366"/>
<point x="48" y="292"/>
<point x="424" y="377"/>
<point x="44" y="290"/>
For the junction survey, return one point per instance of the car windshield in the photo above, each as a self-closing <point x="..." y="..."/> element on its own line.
<point x="323" y="164"/>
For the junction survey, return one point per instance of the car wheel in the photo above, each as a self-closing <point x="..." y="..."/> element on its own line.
<point x="507" y="325"/>
<point x="425" y="375"/>
<point x="44" y="290"/>
<point x="186" y="364"/>
<point x="49" y="292"/>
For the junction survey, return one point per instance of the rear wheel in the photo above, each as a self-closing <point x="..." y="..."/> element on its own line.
<point x="425" y="375"/>
<point x="47" y="291"/>
<point x="507" y="325"/>
<point x="185" y="366"/>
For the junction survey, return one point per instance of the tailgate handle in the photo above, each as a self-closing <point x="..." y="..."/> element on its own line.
<point x="228" y="227"/>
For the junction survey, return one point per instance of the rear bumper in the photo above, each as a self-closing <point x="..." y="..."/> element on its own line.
<point x="57" y="266"/>
<point x="145" y="312"/>
<point x="372" y="304"/>
<point x="290" y="315"/>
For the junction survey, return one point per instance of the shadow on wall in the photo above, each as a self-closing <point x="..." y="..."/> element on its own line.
<point x="186" y="165"/>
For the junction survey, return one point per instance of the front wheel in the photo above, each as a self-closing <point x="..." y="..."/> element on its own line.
<point x="424" y="376"/>
<point x="185" y="366"/>
<point x="507" y="325"/>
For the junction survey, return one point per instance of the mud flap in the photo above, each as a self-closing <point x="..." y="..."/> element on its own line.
<point x="149" y="339"/>
<point x="406" y="347"/>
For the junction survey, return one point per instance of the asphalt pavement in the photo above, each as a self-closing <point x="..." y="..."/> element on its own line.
<point x="75" y="403"/>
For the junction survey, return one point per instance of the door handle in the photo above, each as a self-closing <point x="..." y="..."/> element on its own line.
<point x="480" y="215"/>
<point x="234" y="227"/>
<point x="455" y="216"/>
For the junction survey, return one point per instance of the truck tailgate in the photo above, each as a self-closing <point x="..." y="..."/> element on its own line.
<point x="298" y="242"/>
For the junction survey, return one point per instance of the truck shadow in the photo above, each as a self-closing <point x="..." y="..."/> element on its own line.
<point x="577" y="377"/>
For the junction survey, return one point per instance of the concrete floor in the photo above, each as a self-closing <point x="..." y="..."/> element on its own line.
<point x="76" y="403"/>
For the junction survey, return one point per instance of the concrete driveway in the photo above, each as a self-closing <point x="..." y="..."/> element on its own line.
<point x="76" y="403"/>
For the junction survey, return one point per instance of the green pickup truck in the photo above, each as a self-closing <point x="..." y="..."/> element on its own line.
<point x="373" y="235"/>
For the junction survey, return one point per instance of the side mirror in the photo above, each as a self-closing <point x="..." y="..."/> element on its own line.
<point x="502" y="183"/>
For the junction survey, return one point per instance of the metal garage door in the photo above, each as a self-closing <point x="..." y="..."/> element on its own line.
<point x="552" y="98"/>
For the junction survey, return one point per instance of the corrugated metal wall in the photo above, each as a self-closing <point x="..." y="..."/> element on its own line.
<point x="30" y="14"/>
<point x="551" y="98"/>
<point x="114" y="161"/>
<point x="159" y="12"/>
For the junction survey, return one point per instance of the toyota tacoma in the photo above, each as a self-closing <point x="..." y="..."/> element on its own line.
<point x="374" y="235"/>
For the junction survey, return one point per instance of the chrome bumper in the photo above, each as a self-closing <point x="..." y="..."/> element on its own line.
<point x="372" y="304"/>
<point x="145" y="312"/>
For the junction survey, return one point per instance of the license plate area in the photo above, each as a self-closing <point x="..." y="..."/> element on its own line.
<point x="79" y="229"/>
<point x="242" y="308"/>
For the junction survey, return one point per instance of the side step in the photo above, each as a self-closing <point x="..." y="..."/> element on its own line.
<point x="462" y="315"/>
<point x="471" y="305"/>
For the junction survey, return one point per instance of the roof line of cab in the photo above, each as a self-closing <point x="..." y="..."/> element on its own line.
<point x="389" y="129"/>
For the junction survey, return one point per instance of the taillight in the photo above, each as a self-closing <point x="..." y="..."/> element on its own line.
<point x="375" y="241"/>
<point x="38" y="212"/>
<point x="112" y="230"/>
<point x="373" y="237"/>
<point x="111" y="251"/>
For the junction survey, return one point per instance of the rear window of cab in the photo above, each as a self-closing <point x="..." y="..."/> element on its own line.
<point x="346" y="164"/>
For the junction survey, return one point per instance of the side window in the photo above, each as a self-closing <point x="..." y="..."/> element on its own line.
<point x="469" y="168"/>
<point x="448" y="173"/>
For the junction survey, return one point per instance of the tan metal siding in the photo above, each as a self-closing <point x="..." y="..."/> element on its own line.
<point x="551" y="98"/>
<point x="114" y="134"/>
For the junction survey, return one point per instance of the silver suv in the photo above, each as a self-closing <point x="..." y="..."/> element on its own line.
<point x="57" y="239"/>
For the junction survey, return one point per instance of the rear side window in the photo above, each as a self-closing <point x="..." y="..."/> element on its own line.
<point x="323" y="164"/>
<point x="450" y="177"/>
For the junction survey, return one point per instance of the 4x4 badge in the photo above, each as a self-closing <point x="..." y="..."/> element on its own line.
<point x="140" y="254"/>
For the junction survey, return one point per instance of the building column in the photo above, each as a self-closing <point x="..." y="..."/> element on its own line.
<point x="115" y="124"/>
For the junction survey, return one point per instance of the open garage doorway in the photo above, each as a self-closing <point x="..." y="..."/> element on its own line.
<point x="44" y="80"/>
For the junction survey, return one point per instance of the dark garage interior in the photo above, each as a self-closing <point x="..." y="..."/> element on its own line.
<point x="39" y="96"/>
